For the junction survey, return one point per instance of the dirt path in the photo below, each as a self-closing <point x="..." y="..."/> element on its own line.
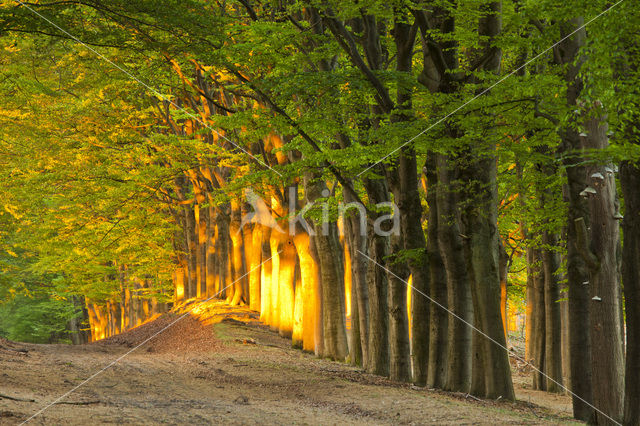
<point x="222" y="367"/>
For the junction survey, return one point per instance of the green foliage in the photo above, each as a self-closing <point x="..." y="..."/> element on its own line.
<point x="91" y="171"/>
<point x="36" y="319"/>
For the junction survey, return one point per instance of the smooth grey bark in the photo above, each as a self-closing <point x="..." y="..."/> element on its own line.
<point x="458" y="290"/>
<point x="552" y="321"/>
<point x="329" y="255"/>
<point x="357" y="243"/>
<point x="630" y="182"/>
<point x="407" y="197"/>
<point x="599" y="247"/>
<point x="398" y="274"/>
<point x="480" y="220"/>
<point x="439" y="317"/>
<point x="399" y="359"/>
<point x="577" y="273"/>
<point x="538" y="325"/>
<point x="377" y="285"/>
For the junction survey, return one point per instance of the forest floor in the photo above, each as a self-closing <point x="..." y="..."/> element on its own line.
<point x="219" y="365"/>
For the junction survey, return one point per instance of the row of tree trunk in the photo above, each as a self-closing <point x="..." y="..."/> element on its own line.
<point x="136" y="301"/>
<point x="341" y="289"/>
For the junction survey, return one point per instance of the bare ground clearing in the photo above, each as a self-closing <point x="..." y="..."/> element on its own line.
<point x="219" y="365"/>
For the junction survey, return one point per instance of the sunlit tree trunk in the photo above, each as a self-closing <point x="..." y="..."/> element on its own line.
<point x="503" y="272"/>
<point x="211" y="252"/>
<point x="255" y="259"/>
<point x="265" y="277"/>
<point x="309" y="290"/>
<point x="247" y="252"/>
<point x="223" y="253"/>
<point x="201" y="250"/>
<point x="190" y="234"/>
<point x="276" y="245"/>
<point x="238" y="262"/>
<point x="319" y="311"/>
<point x="286" y="284"/>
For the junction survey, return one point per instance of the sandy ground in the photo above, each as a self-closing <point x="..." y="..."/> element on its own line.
<point x="218" y="365"/>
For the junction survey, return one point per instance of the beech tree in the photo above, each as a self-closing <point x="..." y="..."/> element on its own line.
<point x="353" y="171"/>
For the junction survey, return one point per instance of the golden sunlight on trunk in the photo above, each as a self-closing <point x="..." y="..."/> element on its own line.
<point x="274" y="243"/>
<point x="178" y="280"/>
<point x="409" y="293"/>
<point x="347" y="281"/>
<point x="298" y="313"/>
<point x="265" y="278"/>
<point x="286" y="283"/>
<point x="255" y="259"/>
<point x="309" y="296"/>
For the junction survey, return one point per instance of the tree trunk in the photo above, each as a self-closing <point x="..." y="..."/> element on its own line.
<point x="480" y="219"/>
<point x="328" y="251"/>
<point x="458" y="291"/>
<point x="310" y="295"/>
<point x="200" y="221"/>
<point x="211" y="251"/>
<point x="333" y="311"/>
<point x="529" y="304"/>
<point x="265" y="277"/>
<point x="359" y="266"/>
<point x="626" y="73"/>
<point x="377" y="286"/>
<point x="553" y="339"/>
<point x="407" y="197"/>
<point x="439" y="318"/>
<point x="630" y="182"/>
<point x="356" y="243"/>
<point x="378" y="345"/>
<point x="399" y="360"/>
<point x="607" y="358"/>
<point x="276" y="245"/>
<point x="577" y="273"/>
<point x="286" y="283"/>
<point x="504" y="273"/>
<point x="238" y="263"/>
<point x="190" y="233"/>
<point x="539" y="326"/>
<point x="255" y="259"/>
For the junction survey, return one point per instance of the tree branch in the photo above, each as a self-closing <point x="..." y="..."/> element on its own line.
<point x="348" y="44"/>
<point x="344" y="182"/>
